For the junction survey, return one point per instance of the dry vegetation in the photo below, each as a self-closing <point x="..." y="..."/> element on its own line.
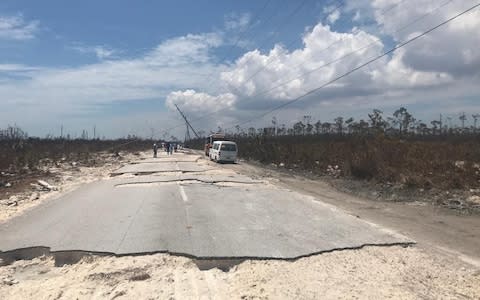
<point x="25" y="160"/>
<point x="449" y="163"/>
<point x="442" y="170"/>
<point x="441" y="162"/>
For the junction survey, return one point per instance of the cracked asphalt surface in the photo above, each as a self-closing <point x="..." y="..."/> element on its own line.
<point x="185" y="205"/>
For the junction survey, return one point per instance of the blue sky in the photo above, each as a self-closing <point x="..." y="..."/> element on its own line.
<point x="135" y="27"/>
<point x="121" y="65"/>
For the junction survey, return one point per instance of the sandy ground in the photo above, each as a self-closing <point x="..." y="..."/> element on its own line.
<point x="416" y="272"/>
<point x="368" y="273"/>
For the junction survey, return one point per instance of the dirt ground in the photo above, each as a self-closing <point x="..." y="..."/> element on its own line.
<point x="443" y="265"/>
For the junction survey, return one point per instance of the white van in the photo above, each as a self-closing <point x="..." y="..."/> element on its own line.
<point x="223" y="151"/>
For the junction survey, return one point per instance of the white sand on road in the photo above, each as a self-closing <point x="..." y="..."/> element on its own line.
<point x="368" y="273"/>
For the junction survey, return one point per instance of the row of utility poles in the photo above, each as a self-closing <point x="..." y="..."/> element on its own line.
<point x="83" y="136"/>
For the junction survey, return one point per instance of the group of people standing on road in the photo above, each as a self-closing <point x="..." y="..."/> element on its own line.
<point x="169" y="148"/>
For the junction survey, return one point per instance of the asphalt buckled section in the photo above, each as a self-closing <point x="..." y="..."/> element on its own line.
<point x="167" y="166"/>
<point x="200" y="220"/>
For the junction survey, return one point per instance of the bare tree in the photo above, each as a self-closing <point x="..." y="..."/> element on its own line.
<point x="435" y="126"/>
<point x="274" y="122"/>
<point x="349" y="123"/>
<point x="403" y="119"/>
<point x="299" y="128"/>
<point x="318" y="127"/>
<point x="339" y="124"/>
<point x="475" y="120"/>
<point x="309" y="128"/>
<point x="463" y="118"/>
<point x="326" y="127"/>
<point x="377" y="121"/>
<point x="306" y="120"/>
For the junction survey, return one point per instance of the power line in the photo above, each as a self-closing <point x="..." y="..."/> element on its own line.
<point x="359" y="67"/>
<point x="215" y="112"/>
<point x="392" y="7"/>
<point x="369" y="45"/>
<point x="291" y="43"/>
<point x="280" y="26"/>
<point x="340" y="4"/>
<point x="289" y="17"/>
<point x="337" y="59"/>
<point x="326" y="48"/>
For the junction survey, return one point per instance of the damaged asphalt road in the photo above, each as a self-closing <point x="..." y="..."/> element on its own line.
<point x="187" y="206"/>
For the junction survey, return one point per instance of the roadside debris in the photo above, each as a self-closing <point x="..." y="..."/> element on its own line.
<point x="12" y="201"/>
<point x="334" y="171"/>
<point x="9" y="281"/>
<point x="34" y="196"/>
<point x="460" y="164"/>
<point x="20" y="191"/>
<point x="46" y="186"/>
<point x="474" y="199"/>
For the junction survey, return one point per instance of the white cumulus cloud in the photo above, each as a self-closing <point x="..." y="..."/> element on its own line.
<point x="441" y="66"/>
<point x="193" y="101"/>
<point x="297" y="68"/>
<point x="430" y="70"/>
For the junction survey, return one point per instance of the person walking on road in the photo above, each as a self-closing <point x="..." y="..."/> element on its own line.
<point x="155" y="149"/>
<point x="167" y="147"/>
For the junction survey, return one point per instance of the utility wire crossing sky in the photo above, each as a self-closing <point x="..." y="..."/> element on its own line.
<point x="121" y="66"/>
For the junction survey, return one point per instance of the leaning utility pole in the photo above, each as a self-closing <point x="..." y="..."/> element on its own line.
<point x="189" y="126"/>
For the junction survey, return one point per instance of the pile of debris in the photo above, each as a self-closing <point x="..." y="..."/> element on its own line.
<point x="334" y="171"/>
<point x="38" y="187"/>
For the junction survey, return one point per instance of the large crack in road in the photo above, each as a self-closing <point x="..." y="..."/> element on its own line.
<point x="214" y="215"/>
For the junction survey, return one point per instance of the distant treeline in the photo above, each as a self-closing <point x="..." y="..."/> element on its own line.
<point x="400" y="123"/>
<point x="398" y="149"/>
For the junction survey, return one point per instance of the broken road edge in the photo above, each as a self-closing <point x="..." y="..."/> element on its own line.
<point x="68" y="257"/>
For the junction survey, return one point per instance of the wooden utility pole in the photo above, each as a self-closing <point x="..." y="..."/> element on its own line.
<point x="187" y="123"/>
